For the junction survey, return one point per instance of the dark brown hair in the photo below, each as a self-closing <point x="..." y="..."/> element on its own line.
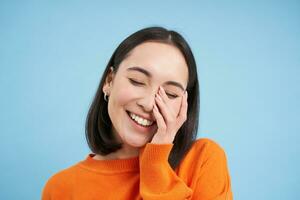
<point x="98" y="124"/>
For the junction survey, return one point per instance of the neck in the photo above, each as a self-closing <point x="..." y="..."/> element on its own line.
<point x="125" y="152"/>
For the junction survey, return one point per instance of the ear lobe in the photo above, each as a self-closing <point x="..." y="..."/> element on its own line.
<point x="105" y="88"/>
<point x="108" y="81"/>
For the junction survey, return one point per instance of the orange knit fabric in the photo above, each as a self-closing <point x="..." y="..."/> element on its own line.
<point x="202" y="175"/>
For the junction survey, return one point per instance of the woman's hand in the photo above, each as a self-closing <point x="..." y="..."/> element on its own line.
<point x="168" y="122"/>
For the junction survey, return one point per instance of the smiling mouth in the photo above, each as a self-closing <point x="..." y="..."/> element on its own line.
<point x="139" y="120"/>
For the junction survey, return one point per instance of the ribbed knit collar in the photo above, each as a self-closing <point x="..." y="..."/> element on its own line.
<point x="152" y="153"/>
<point x="110" y="166"/>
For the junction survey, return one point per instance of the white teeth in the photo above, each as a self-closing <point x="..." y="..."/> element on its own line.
<point x="141" y="120"/>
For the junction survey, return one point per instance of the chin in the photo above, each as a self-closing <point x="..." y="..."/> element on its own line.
<point x="137" y="142"/>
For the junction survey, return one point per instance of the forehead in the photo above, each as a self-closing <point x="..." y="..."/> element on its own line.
<point x="164" y="61"/>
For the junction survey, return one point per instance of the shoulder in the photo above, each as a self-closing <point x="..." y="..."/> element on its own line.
<point x="202" y="152"/>
<point x="205" y="170"/>
<point x="208" y="146"/>
<point x="60" y="182"/>
<point x="62" y="176"/>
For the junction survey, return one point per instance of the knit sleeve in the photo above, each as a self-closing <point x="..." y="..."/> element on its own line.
<point x="46" y="193"/>
<point x="157" y="178"/>
<point x="57" y="188"/>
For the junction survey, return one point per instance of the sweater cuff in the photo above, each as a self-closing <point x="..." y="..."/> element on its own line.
<point x="156" y="152"/>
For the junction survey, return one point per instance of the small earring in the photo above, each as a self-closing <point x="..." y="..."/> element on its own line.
<point x="105" y="96"/>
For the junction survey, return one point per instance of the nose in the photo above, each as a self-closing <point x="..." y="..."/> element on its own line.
<point x="147" y="102"/>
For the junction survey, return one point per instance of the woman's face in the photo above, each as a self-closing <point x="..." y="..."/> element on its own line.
<point x="133" y="88"/>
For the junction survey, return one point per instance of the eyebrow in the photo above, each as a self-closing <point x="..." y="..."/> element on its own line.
<point x="148" y="74"/>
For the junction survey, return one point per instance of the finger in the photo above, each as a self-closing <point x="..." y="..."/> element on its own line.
<point x="165" y="99"/>
<point x="183" y="109"/>
<point x="163" y="94"/>
<point x="166" y="112"/>
<point x="161" y="125"/>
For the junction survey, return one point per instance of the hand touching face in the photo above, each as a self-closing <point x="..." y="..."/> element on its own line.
<point x="168" y="121"/>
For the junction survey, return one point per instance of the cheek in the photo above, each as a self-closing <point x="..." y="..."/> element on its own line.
<point x="123" y="95"/>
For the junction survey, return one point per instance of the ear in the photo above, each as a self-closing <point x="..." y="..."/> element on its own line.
<point x="108" y="81"/>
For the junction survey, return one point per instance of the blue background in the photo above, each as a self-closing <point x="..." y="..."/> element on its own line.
<point x="52" y="55"/>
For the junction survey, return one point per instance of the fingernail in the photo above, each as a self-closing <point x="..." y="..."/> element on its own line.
<point x="161" y="89"/>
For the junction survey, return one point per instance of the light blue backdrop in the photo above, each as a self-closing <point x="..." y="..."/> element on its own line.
<point x="248" y="53"/>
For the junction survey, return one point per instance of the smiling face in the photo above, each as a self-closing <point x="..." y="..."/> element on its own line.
<point x="132" y="90"/>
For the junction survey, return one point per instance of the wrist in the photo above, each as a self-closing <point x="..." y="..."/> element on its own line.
<point x="162" y="139"/>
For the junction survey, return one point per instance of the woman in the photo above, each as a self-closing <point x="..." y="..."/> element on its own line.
<point x="142" y="128"/>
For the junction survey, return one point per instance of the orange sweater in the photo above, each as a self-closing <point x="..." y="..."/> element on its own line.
<point x="201" y="175"/>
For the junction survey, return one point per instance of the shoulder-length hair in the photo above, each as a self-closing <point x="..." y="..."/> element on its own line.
<point x="98" y="128"/>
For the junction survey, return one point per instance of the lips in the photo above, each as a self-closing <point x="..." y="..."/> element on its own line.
<point x="140" y="121"/>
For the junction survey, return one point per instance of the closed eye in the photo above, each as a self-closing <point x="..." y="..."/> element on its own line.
<point x="134" y="82"/>
<point x="137" y="83"/>
<point x="172" y="96"/>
